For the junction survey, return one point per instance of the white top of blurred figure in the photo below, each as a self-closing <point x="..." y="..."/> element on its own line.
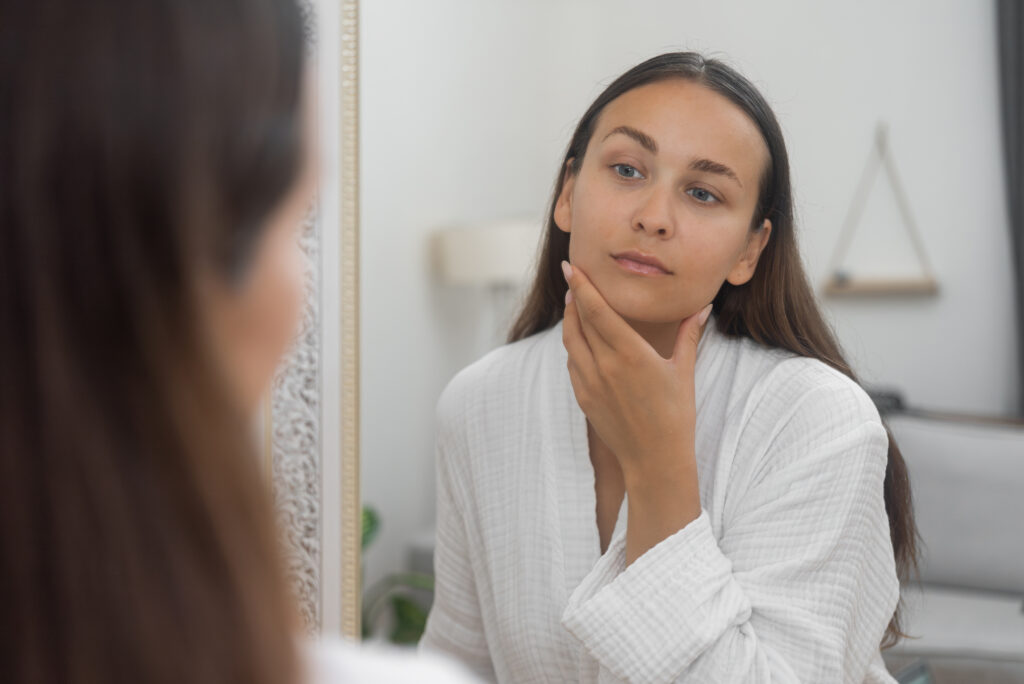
<point x="335" y="661"/>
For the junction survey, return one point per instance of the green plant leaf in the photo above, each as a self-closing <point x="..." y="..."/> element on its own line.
<point x="376" y="598"/>
<point x="410" y="620"/>
<point x="371" y="525"/>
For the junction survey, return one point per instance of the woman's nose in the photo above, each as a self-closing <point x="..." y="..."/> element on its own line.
<point x="654" y="215"/>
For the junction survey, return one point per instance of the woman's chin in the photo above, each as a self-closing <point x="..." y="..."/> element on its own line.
<point x="638" y="307"/>
<point x="646" y="316"/>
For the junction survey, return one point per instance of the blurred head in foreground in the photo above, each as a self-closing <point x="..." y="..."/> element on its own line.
<point x="155" y="166"/>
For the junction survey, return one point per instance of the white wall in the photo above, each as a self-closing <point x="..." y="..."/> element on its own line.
<point x="466" y="106"/>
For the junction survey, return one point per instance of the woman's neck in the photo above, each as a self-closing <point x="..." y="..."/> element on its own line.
<point x="661" y="336"/>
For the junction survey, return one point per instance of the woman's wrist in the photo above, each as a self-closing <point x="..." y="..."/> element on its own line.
<point x="661" y="502"/>
<point x="660" y="471"/>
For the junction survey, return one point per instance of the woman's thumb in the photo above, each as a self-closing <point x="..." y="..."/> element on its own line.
<point x="690" y="331"/>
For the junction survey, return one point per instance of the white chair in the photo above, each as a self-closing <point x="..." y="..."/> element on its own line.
<point x="967" y="479"/>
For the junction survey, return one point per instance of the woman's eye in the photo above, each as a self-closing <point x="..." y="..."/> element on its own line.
<point x="702" y="195"/>
<point x="626" y="171"/>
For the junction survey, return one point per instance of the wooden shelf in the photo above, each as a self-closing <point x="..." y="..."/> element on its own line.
<point x="918" y="287"/>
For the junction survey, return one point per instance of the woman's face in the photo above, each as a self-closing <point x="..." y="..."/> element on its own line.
<point x="255" y="322"/>
<point x="659" y="215"/>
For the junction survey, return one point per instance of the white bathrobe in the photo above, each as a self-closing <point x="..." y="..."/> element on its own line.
<point x="787" y="575"/>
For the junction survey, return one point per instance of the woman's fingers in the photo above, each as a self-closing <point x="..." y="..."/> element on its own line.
<point x="601" y="324"/>
<point x="575" y="341"/>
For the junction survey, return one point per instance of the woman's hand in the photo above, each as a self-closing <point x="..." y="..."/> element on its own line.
<point x="641" y="405"/>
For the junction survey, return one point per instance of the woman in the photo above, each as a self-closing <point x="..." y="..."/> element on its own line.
<point x="155" y="167"/>
<point x="637" y="489"/>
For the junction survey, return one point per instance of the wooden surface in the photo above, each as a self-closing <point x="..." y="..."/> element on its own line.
<point x="880" y="288"/>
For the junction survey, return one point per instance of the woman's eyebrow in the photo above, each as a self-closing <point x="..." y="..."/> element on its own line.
<point x="709" y="166"/>
<point x="647" y="142"/>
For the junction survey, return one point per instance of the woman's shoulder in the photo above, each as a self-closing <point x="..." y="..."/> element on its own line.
<point x="334" y="661"/>
<point x="786" y="382"/>
<point x="510" y="370"/>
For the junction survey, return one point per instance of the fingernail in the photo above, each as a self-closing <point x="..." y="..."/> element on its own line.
<point x="704" y="314"/>
<point x="568" y="297"/>
<point x="566" y="270"/>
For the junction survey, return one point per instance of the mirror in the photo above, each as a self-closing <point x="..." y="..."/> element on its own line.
<point x="310" y="419"/>
<point x="466" y="108"/>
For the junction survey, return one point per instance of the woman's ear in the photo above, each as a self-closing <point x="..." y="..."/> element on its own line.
<point x="563" y="205"/>
<point x="744" y="269"/>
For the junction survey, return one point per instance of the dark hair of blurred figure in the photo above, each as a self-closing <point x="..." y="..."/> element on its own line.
<point x="143" y="144"/>
<point x="776" y="308"/>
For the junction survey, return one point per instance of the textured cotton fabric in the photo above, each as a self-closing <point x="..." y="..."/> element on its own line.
<point x="335" y="661"/>
<point x="787" y="575"/>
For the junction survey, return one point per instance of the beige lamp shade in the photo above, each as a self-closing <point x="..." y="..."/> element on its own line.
<point x="496" y="253"/>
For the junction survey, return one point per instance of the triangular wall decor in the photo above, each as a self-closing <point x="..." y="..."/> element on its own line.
<point x="842" y="283"/>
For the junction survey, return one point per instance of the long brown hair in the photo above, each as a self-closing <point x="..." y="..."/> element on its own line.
<point x="142" y="145"/>
<point x="776" y="307"/>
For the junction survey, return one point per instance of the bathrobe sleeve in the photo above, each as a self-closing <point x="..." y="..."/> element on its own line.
<point x="455" y="626"/>
<point x="799" y="587"/>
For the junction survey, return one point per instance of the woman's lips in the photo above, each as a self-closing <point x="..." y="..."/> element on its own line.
<point x="639" y="263"/>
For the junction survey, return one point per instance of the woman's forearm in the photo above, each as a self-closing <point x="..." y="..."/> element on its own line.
<point x="661" y="501"/>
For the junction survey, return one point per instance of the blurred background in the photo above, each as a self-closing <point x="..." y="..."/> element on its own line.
<point x="467" y="105"/>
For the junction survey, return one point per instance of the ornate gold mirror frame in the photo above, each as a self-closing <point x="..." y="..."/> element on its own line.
<point x="311" y="418"/>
